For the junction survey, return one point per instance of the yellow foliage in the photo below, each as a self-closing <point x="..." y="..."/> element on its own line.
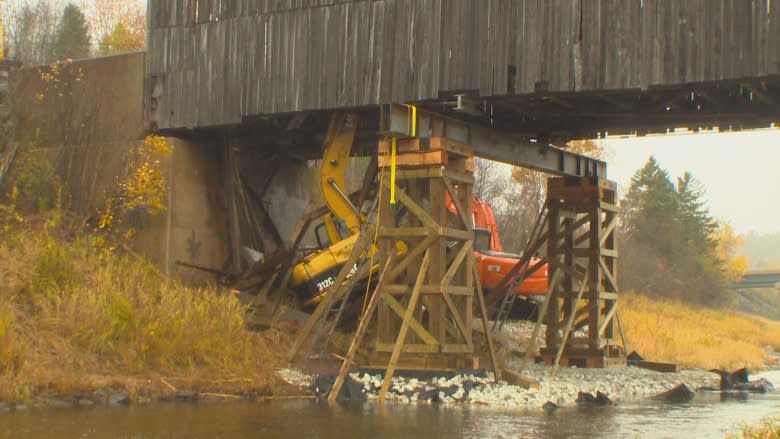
<point x="58" y="79"/>
<point x="728" y="244"/>
<point x="694" y="336"/>
<point x="736" y="268"/>
<point x="122" y="39"/>
<point x="146" y="184"/>
<point x="768" y="428"/>
<point x="144" y="187"/>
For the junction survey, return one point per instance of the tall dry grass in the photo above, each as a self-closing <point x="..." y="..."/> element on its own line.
<point x="768" y="428"/>
<point x="694" y="336"/>
<point x="74" y="317"/>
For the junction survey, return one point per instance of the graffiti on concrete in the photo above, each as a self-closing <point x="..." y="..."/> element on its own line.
<point x="193" y="247"/>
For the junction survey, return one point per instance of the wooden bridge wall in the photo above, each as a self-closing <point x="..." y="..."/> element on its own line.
<point x="214" y="61"/>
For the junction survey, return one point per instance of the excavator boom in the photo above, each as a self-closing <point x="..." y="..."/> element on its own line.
<point x="338" y="145"/>
<point x="314" y="276"/>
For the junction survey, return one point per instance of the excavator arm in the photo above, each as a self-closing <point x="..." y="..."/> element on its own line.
<point x="314" y="276"/>
<point x="338" y="145"/>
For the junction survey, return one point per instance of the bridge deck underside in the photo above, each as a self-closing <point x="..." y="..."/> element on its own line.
<point x="554" y="117"/>
<point x="733" y="104"/>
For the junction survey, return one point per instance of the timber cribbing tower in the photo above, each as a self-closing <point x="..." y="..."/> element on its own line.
<point x="444" y="81"/>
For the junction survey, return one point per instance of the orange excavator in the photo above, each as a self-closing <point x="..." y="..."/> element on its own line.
<point x="492" y="262"/>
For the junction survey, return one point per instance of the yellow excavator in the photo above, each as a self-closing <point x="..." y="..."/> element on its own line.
<point x="313" y="277"/>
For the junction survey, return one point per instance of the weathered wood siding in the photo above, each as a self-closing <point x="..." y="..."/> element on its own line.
<point x="215" y="61"/>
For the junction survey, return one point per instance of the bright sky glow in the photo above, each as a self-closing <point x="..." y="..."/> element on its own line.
<point x="740" y="171"/>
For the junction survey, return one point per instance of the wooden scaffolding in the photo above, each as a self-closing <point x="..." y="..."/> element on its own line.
<point x="583" y="291"/>
<point x="424" y="297"/>
<point x="424" y="318"/>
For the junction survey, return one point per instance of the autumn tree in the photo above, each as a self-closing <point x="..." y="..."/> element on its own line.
<point x="31" y="29"/>
<point x="514" y="204"/>
<point x="105" y="17"/>
<point x="122" y="39"/>
<point x="72" y="39"/>
<point x="729" y="244"/>
<point x="493" y="184"/>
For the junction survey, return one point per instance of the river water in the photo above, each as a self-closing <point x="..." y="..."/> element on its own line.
<point x="707" y="416"/>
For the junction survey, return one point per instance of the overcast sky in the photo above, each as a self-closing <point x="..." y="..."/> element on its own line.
<point x="741" y="171"/>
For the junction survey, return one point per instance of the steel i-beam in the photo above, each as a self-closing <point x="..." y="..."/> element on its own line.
<point x="488" y="142"/>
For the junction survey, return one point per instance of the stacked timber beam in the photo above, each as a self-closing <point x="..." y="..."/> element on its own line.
<point x="583" y="292"/>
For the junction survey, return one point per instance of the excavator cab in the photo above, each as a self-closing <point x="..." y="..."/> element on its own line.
<point x="331" y="231"/>
<point x="482" y="239"/>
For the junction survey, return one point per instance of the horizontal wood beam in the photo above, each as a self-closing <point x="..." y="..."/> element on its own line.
<point x="446" y="348"/>
<point x="453" y="290"/>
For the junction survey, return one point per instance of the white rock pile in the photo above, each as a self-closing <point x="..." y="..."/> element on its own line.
<point x="295" y="377"/>
<point x="619" y="384"/>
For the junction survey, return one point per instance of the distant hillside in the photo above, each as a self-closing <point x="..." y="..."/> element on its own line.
<point x="762" y="250"/>
<point x="764" y="302"/>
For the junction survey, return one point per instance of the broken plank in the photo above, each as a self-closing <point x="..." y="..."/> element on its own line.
<point x="515" y="378"/>
<point x="658" y="366"/>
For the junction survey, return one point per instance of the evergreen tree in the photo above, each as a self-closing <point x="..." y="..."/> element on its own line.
<point x="650" y="249"/>
<point x="698" y="225"/>
<point x="705" y="269"/>
<point x="669" y="244"/>
<point x="72" y="40"/>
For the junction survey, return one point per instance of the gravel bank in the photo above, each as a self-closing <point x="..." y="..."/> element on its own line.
<point x="621" y="384"/>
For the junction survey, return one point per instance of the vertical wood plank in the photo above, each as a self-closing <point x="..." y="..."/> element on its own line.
<point x="248" y="57"/>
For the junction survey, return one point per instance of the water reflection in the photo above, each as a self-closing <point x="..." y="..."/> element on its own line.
<point x="705" y="416"/>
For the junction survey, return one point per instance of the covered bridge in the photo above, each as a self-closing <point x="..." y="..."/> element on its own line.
<point x="557" y="69"/>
